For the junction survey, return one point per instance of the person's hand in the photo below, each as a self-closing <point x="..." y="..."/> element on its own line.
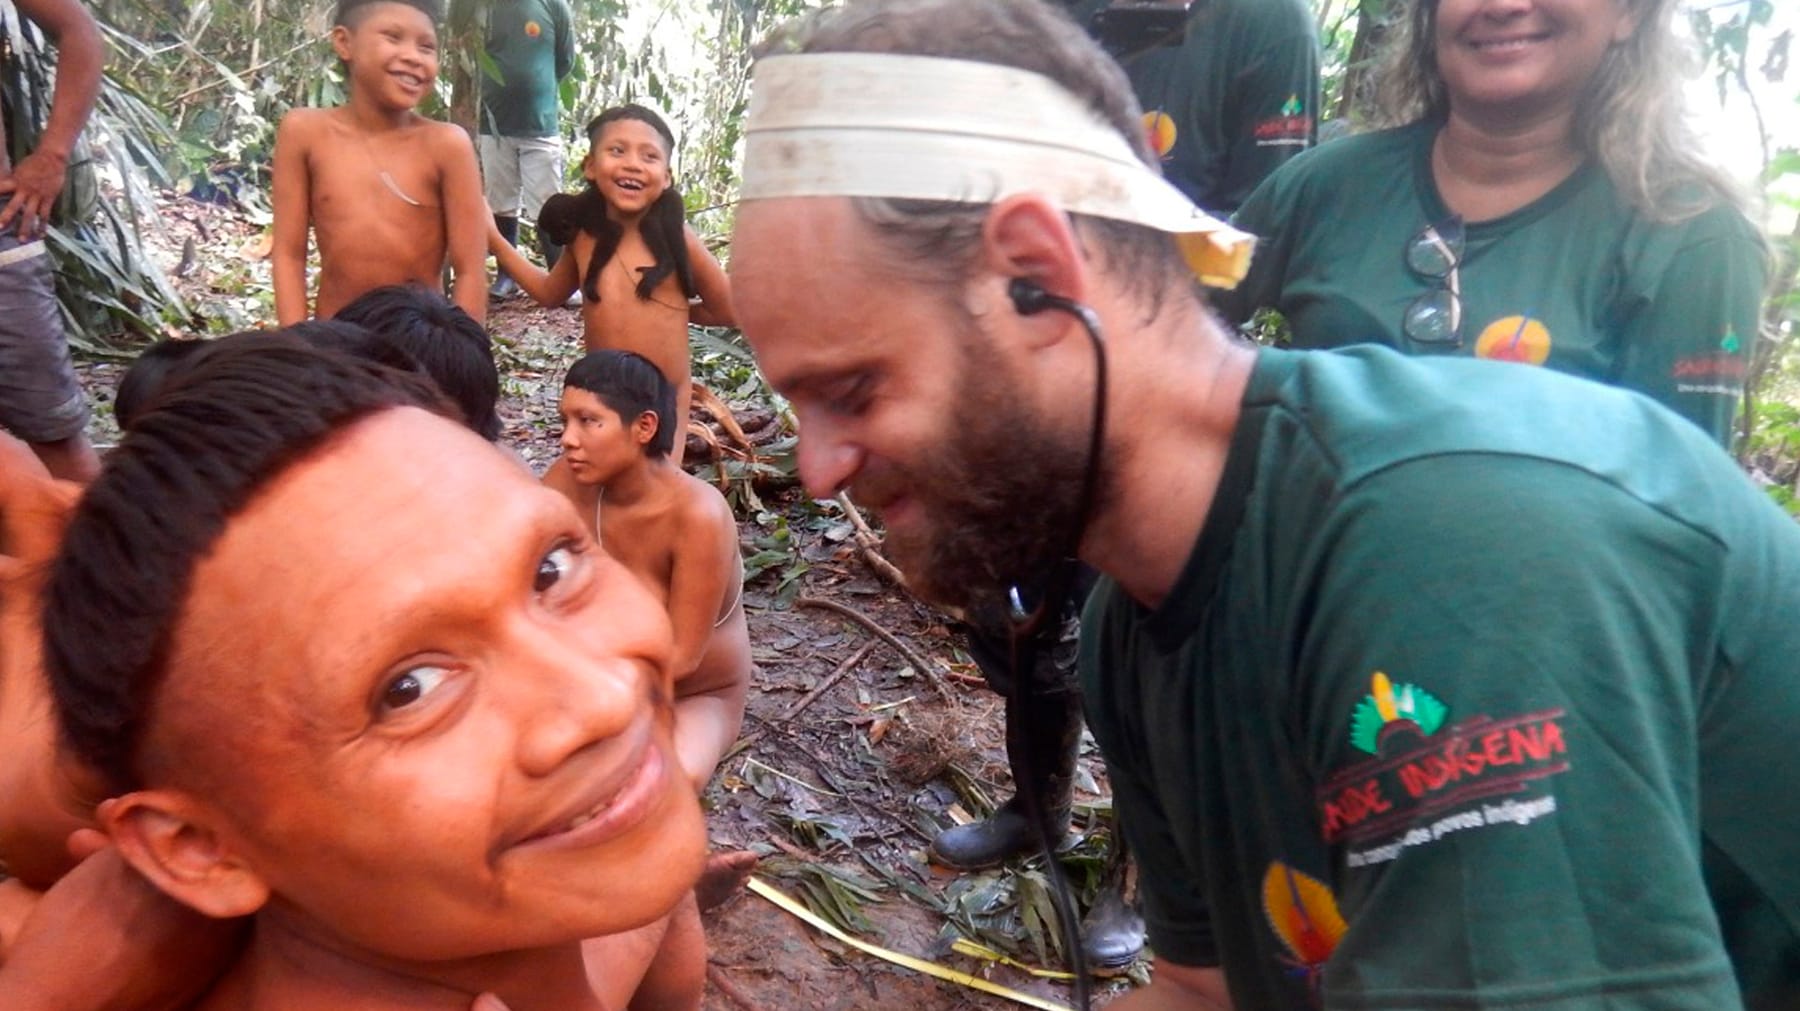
<point x="33" y="187"/>
<point x="104" y="939"/>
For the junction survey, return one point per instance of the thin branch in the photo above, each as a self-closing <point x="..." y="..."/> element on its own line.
<point x="906" y="652"/>
<point x="870" y="543"/>
<point x="824" y="686"/>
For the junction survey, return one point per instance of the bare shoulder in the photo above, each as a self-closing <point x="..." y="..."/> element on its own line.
<point x="703" y="505"/>
<point x="446" y="139"/>
<point x="303" y="125"/>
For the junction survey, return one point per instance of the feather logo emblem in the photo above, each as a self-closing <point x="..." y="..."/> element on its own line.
<point x="1304" y="915"/>
<point x="1388" y="704"/>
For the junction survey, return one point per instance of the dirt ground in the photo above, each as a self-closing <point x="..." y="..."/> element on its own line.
<point x="851" y="756"/>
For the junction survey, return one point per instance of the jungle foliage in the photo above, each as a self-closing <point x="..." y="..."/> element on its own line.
<point x="195" y="88"/>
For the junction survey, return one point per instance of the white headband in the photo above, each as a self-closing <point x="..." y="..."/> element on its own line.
<point x="926" y="128"/>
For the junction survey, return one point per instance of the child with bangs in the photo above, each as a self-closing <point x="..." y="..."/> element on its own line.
<point x="675" y="531"/>
<point x="642" y="273"/>
<point x="390" y="196"/>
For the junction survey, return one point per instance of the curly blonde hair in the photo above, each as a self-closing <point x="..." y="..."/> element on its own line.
<point x="1632" y="120"/>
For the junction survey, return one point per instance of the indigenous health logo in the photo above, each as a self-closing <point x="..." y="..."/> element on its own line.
<point x="1426" y="777"/>
<point x="1720" y="371"/>
<point x="1292" y="127"/>
<point x="1514" y="339"/>
<point x="1159" y="129"/>
<point x="1304" y="916"/>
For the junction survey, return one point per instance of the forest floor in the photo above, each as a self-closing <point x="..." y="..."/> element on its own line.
<point x="854" y="752"/>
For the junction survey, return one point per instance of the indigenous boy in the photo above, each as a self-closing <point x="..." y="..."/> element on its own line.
<point x="389" y="194"/>
<point x="672" y="529"/>
<point x="427" y="772"/>
<point x="642" y="272"/>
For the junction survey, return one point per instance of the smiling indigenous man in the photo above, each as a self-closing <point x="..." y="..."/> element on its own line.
<point x="1420" y="682"/>
<point x="431" y="754"/>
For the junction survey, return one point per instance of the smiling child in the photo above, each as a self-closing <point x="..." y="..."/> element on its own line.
<point x="388" y="194"/>
<point x="642" y="272"/>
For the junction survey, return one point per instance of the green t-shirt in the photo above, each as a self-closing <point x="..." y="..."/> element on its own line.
<point x="532" y="44"/>
<point x="1577" y="281"/>
<point x="1236" y="98"/>
<point x="1485" y="701"/>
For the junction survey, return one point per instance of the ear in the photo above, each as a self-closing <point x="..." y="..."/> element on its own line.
<point x="1026" y="236"/>
<point x="174" y="842"/>
<point x="340" y="41"/>
<point x="644" y="427"/>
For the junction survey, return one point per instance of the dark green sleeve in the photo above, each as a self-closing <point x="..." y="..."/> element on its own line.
<point x="1273" y="107"/>
<point x="1687" y="338"/>
<point x="1496" y="676"/>
<point x="565" y="37"/>
<point x="1176" y="915"/>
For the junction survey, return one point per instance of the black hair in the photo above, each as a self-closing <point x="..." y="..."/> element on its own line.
<point x="165" y="363"/>
<point x="250" y="407"/>
<point x="446" y="342"/>
<point x="350" y="12"/>
<point x="630" y="384"/>
<point x="664" y="225"/>
<point x="149" y="373"/>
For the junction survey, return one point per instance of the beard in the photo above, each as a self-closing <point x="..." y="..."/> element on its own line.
<point x="1001" y="500"/>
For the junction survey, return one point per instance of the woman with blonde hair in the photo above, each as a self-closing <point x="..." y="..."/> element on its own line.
<point x="1534" y="196"/>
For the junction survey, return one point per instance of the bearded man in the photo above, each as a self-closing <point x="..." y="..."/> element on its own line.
<point x="1419" y="682"/>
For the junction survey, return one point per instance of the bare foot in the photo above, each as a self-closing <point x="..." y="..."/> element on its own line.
<point x="723" y="878"/>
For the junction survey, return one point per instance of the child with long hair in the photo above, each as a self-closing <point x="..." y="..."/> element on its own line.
<point x="642" y="273"/>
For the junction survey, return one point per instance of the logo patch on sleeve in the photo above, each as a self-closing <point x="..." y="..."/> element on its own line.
<point x="1289" y="127"/>
<point x="1426" y="778"/>
<point x="1304" y="916"/>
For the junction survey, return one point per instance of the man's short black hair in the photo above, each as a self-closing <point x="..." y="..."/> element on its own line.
<point x="446" y="342"/>
<point x="149" y="374"/>
<point x="163" y="364"/>
<point x="247" y="409"/>
<point x="350" y="12"/>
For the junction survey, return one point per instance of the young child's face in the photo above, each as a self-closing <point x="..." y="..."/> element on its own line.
<point x="392" y="54"/>
<point x="432" y="715"/>
<point x="597" y="443"/>
<point x="629" y="164"/>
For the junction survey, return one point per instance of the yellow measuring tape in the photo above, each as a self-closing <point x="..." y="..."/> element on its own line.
<point x="775" y="895"/>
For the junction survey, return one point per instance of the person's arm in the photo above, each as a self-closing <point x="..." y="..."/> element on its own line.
<point x="465" y="218"/>
<point x="1496" y="703"/>
<point x="709" y="699"/>
<point x="1688" y="344"/>
<point x="1272" y="111"/>
<point x="547" y="288"/>
<point x="710" y="283"/>
<point x="565" y="37"/>
<point x="37" y="179"/>
<point x="291" y="202"/>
